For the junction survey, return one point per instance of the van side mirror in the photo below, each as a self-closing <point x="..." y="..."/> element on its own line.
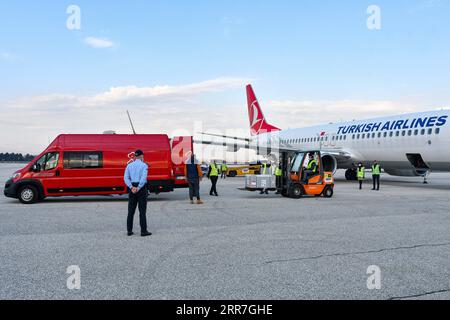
<point x="36" y="168"/>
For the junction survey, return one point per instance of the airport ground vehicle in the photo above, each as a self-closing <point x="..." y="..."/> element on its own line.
<point x="240" y="171"/>
<point x="78" y="165"/>
<point x="296" y="181"/>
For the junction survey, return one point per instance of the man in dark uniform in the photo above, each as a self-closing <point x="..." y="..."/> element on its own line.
<point x="136" y="180"/>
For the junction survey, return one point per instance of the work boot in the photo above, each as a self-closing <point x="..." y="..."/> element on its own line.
<point x="146" y="234"/>
<point x="130" y="234"/>
<point x="199" y="202"/>
<point x="192" y="201"/>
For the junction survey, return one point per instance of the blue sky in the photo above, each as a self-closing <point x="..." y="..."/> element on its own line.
<point x="294" y="52"/>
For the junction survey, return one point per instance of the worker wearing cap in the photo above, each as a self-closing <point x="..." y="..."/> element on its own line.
<point x="360" y="174"/>
<point x="311" y="167"/>
<point x="376" y="173"/>
<point x="136" y="180"/>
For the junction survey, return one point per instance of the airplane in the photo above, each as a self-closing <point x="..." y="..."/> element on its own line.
<point x="410" y="145"/>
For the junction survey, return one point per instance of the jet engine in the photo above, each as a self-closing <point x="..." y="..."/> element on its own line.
<point x="329" y="163"/>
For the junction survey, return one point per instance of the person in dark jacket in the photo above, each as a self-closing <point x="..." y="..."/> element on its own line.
<point x="194" y="174"/>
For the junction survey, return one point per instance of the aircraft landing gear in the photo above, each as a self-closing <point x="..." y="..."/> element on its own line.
<point x="350" y="175"/>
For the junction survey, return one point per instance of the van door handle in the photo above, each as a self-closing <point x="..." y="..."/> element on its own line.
<point x="58" y="173"/>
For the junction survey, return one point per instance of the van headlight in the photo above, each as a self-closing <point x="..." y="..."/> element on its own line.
<point x="15" y="176"/>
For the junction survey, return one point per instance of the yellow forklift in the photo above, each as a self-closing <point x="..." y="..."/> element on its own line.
<point x="302" y="179"/>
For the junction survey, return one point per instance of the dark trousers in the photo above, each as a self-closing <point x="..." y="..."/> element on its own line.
<point x="194" y="189"/>
<point x="223" y="175"/>
<point x="279" y="182"/>
<point x="135" y="200"/>
<point x="376" y="181"/>
<point x="360" y="184"/>
<point x="214" y="185"/>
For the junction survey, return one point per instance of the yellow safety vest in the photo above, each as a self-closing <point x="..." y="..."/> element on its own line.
<point x="376" y="170"/>
<point x="310" y="165"/>
<point x="278" y="172"/>
<point x="360" y="172"/>
<point x="214" y="171"/>
<point x="264" y="171"/>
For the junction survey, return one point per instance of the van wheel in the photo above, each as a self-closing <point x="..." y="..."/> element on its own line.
<point x="28" y="195"/>
<point x="295" y="191"/>
<point x="328" y="192"/>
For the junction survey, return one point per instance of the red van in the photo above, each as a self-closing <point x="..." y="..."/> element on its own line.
<point x="79" y="165"/>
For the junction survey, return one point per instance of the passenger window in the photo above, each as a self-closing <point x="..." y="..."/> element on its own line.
<point x="47" y="162"/>
<point x="430" y="131"/>
<point x="403" y="133"/>
<point x="385" y="134"/>
<point x="416" y="132"/>
<point x="438" y="131"/>
<point x="409" y="132"/>
<point x="363" y="136"/>
<point x="391" y="134"/>
<point x="422" y="132"/>
<point x="358" y="136"/>
<point x="83" y="160"/>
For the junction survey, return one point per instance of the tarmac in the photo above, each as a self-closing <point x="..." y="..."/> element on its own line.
<point x="240" y="245"/>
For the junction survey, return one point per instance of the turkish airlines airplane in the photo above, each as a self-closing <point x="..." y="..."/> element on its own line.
<point x="405" y="145"/>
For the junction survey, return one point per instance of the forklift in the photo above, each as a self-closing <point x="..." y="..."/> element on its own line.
<point x="298" y="180"/>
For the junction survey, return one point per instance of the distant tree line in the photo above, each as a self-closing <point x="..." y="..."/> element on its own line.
<point x="15" y="157"/>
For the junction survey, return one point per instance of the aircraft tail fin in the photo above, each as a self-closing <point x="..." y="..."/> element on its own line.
<point x="258" y="124"/>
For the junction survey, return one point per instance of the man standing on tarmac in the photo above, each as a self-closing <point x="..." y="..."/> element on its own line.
<point x="194" y="174"/>
<point x="376" y="173"/>
<point x="136" y="179"/>
<point x="223" y="170"/>
<point x="279" y="177"/>
<point x="360" y="174"/>
<point x="213" y="175"/>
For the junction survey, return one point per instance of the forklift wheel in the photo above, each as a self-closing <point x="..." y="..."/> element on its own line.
<point x="328" y="192"/>
<point x="295" y="191"/>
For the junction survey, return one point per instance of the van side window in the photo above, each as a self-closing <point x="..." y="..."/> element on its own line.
<point x="83" y="160"/>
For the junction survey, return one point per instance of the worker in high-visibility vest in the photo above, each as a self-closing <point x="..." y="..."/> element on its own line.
<point x="360" y="174"/>
<point x="279" y="178"/>
<point x="213" y="175"/>
<point x="376" y="173"/>
<point x="224" y="170"/>
<point x="311" y="168"/>
<point x="264" y="168"/>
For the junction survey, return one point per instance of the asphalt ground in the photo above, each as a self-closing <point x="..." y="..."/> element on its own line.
<point x="241" y="245"/>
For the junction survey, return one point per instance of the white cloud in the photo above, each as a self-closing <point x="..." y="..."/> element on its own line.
<point x="99" y="42"/>
<point x="6" y="56"/>
<point x="155" y="109"/>
<point x="129" y="95"/>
